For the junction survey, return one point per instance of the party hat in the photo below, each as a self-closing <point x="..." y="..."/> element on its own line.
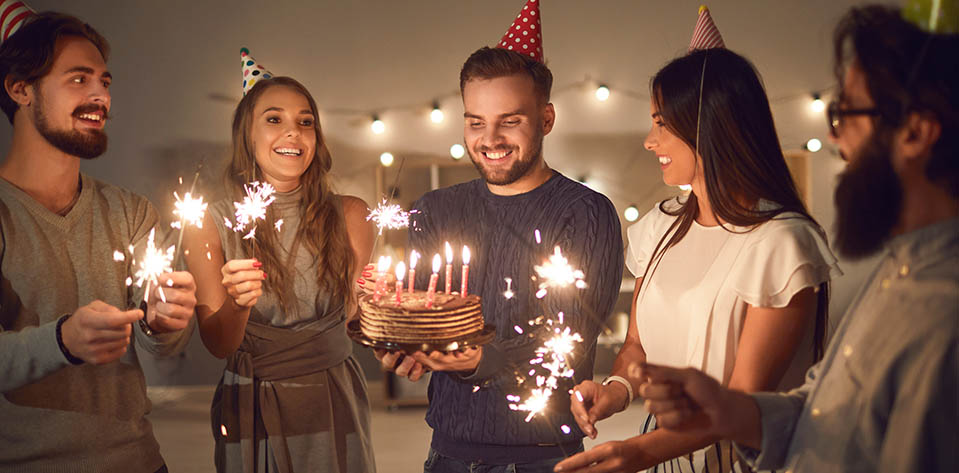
<point x="13" y="14"/>
<point x="705" y="35"/>
<point x="252" y="72"/>
<point x="525" y="35"/>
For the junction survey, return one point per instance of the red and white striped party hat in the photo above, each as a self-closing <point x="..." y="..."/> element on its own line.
<point x="13" y="14"/>
<point x="705" y="35"/>
<point x="252" y="71"/>
<point x="525" y="35"/>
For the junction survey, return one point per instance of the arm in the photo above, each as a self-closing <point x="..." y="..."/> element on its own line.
<point x="361" y="237"/>
<point x="591" y="402"/>
<point x="767" y="345"/>
<point x="221" y="318"/>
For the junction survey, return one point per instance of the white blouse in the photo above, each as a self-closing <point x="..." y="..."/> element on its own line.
<point x="691" y="307"/>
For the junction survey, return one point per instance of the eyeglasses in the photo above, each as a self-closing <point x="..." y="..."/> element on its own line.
<point x="835" y="115"/>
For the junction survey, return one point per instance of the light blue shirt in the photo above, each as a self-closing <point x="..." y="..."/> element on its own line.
<point x="886" y="395"/>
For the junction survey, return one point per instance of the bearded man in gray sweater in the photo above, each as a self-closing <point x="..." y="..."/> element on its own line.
<point x="73" y="394"/>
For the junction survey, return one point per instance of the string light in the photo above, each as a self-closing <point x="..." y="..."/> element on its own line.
<point x="457" y="151"/>
<point x="817" y="103"/>
<point x="377" y="126"/>
<point x="631" y="213"/>
<point x="436" y="115"/>
<point x="386" y="159"/>
<point x="602" y="93"/>
<point x="814" y="145"/>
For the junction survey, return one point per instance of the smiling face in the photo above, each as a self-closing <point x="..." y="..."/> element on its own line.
<point x="676" y="158"/>
<point x="504" y="127"/>
<point x="284" y="136"/>
<point x="71" y="103"/>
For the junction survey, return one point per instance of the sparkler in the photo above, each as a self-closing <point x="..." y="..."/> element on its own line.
<point x="190" y="211"/>
<point x="557" y="272"/>
<point x="153" y="263"/>
<point x="259" y="196"/>
<point x="392" y="217"/>
<point x="553" y="357"/>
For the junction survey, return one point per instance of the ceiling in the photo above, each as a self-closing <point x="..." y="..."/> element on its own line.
<point x="176" y="76"/>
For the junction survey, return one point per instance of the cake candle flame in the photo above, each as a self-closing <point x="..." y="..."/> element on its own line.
<point x="431" y="291"/>
<point x="414" y="258"/>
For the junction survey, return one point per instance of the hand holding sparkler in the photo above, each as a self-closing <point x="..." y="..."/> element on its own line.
<point x="243" y="281"/>
<point x="98" y="332"/>
<point x="591" y="402"/>
<point x="174" y="311"/>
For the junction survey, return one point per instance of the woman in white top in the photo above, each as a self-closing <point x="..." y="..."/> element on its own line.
<point x="731" y="279"/>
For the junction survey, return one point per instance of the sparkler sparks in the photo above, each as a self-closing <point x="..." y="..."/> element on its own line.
<point x="557" y="272"/>
<point x="392" y="217"/>
<point x="153" y="263"/>
<point x="259" y="196"/>
<point x="189" y="210"/>
<point x="509" y="288"/>
<point x="118" y="255"/>
<point x="553" y="357"/>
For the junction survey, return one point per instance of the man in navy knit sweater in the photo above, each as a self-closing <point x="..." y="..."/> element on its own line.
<point x="507" y="114"/>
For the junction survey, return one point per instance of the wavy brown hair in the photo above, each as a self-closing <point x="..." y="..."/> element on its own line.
<point x="738" y="146"/>
<point x="322" y="227"/>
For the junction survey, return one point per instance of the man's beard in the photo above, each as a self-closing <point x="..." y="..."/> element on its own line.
<point x="87" y="144"/>
<point x="520" y="167"/>
<point x="868" y="201"/>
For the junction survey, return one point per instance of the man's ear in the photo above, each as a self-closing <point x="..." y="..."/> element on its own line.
<point x="19" y="91"/>
<point x="549" y="118"/>
<point x="915" y="139"/>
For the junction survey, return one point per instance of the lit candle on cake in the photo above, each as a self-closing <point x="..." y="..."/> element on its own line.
<point x="449" y="268"/>
<point x="382" y="267"/>
<point x="400" y="272"/>
<point x="414" y="258"/>
<point x="466" y="270"/>
<point x="431" y="291"/>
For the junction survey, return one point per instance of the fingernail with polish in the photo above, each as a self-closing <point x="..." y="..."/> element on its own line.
<point x="257" y="264"/>
<point x="264" y="275"/>
<point x="361" y="281"/>
<point x="367" y="274"/>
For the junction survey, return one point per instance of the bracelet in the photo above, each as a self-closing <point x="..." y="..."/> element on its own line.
<point x="624" y="382"/>
<point x="63" y="348"/>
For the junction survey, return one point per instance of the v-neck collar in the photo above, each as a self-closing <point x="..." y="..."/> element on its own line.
<point x="63" y="222"/>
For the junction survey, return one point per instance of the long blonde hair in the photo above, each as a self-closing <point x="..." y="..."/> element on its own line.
<point x="322" y="224"/>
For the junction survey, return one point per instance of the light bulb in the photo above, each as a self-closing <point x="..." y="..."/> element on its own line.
<point x="378" y="126"/>
<point x="602" y="93"/>
<point x="817" y="104"/>
<point x="631" y="213"/>
<point x="436" y="115"/>
<point x="814" y="145"/>
<point x="457" y="151"/>
<point x="386" y="159"/>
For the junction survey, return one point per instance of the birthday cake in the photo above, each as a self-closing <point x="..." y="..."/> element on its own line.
<point x="449" y="318"/>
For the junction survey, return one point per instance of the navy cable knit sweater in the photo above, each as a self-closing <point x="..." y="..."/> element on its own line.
<point x="500" y="232"/>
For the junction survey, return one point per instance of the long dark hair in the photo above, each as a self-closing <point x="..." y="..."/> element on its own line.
<point x="322" y="226"/>
<point x="741" y="157"/>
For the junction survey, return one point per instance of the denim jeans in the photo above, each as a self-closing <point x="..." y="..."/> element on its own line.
<point x="437" y="463"/>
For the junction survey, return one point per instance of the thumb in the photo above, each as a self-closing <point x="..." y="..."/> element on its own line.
<point x="658" y="374"/>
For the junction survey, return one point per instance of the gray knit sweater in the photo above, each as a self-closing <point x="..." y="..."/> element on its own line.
<point x="56" y="416"/>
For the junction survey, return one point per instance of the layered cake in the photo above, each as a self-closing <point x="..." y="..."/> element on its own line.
<point x="450" y="318"/>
